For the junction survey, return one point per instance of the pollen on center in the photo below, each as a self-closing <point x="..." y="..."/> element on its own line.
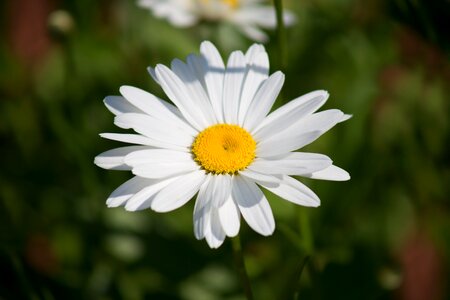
<point x="224" y="149"/>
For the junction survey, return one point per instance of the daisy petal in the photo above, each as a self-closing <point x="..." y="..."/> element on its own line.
<point x="295" y="163"/>
<point x="270" y="179"/>
<point x="178" y="192"/>
<point x="152" y="73"/>
<point x="160" y="163"/>
<point x="127" y="138"/>
<point x="256" y="74"/>
<point x="198" y="66"/>
<point x="216" y="235"/>
<point x="263" y="100"/>
<point x="230" y="217"/>
<point x="214" y="77"/>
<point x="253" y="205"/>
<point x="150" y="156"/>
<point x="177" y="91"/>
<point x="119" y="105"/>
<point x="234" y="77"/>
<point x="143" y="199"/>
<point x="115" y="159"/>
<point x="294" y="191"/>
<point x="194" y="87"/>
<point x="345" y="117"/>
<point x="282" y="144"/>
<point x="301" y="133"/>
<point x="155" y="107"/>
<point x="288" y="114"/>
<point x="253" y="32"/>
<point x="164" y="169"/>
<point x="125" y="191"/>
<point x="253" y="52"/>
<point x="163" y="134"/>
<point x="202" y="209"/>
<point x="323" y="121"/>
<point x="220" y="189"/>
<point x="331" y="173"/>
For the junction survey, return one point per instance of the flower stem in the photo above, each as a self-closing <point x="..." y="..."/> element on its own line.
<point x="281" y="34"/>
<point x="240" y="265"/>
<point x="305" y="231"/>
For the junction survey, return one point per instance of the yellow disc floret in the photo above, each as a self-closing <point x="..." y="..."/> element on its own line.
<point x="224" y="149"/>
<point x="231" y="3"/>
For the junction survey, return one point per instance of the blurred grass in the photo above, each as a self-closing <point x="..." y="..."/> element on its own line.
<point x="379" y="61"/>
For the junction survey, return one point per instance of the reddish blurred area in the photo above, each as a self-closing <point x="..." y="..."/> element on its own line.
<point x="27" y="31"/>
<point x="422" y="264"/>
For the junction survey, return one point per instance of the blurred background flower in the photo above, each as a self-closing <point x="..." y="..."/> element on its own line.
<point x="247" y="16"/>
<point x="385" y="234"/>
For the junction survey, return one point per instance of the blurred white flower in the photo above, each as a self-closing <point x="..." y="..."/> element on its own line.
<point x="248" y="15"/>
<point x="219" y="141"/>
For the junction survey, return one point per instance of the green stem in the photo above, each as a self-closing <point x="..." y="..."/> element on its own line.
<point x="281" y="34"/>
<point x="305" y="231"/>
<point x="240" y="265"/>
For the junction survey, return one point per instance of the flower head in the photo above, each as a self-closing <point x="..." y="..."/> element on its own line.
<point x="247" y="15"/>
<point x="218" y="141"/>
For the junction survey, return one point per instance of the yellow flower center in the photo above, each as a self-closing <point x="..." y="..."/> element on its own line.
<point x="224" y="149"/>
<point x="231" y="3"/>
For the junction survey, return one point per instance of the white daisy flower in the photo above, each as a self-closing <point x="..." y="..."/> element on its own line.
<point x="248" y="15"/>
<point x="218" y="141"/>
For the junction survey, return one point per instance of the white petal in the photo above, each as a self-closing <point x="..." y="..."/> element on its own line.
<point x="294" y="191"/>
<point x="253" y="52"/>
<point x="290" y="113"/>
<point x="263" y="100"/>
<point x="198" y="66"/>
<point x="194" y="87"/>
<point x="214" y="77"/>
<point x="323" y="121"/>
<point x="163" y="134"/>
<point x="182" y="18"/>
<point x="152" y="73"/>
<point x="345" y="118"/>
<point x="127" y="138"/>
<point x="253" y="32"/>
<point x="230" y="217"/>
<point x="119" y="105"/>
<point x="202" y="209"/>
<point x="282" y="144"/>
<point x="216" y="235"/>
<point x="234" y="77"/>
<point x="299" y="134"/>
<point x="143" y="199"/>
<point x="179" y="192"/>
<point x="125" y="191"/>
<point x="176" y="12"/>
<point x="155" y="107"/>
<point x="160" y="163"/>
<point x="164" y="169"/>
<point x="256" y="176"/>
<point x="215" y="190"/>
<point x="253" y="205"/>
<point x="263" y="16"/>
<point x="146" y="102"/>
<point x="220" y="189"/>
<point x="115" y="159"/>
<point x="331" y="173"/>
<point x="295" y="163"/>
<point x="257" y="72"/>
<point x="177" y="91"/>
<point x="150" y="156"/>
